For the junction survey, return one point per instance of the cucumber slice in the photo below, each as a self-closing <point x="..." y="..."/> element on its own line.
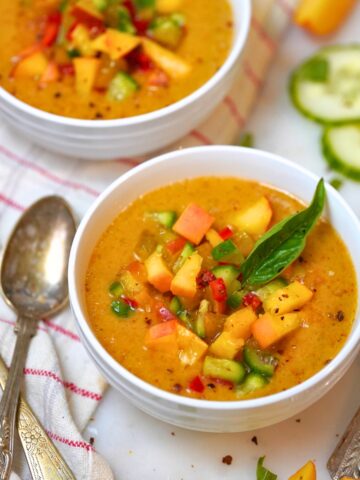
<point x="185" y="253"/>
<point x="326" y="87"/>
<point x="259" y="362"/>
<point x="200" y="318"/>
<point x="341" y="149"/>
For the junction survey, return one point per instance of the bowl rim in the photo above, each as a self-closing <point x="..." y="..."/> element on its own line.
<point x="352" y="342"/>
<point x="239" y="41"/>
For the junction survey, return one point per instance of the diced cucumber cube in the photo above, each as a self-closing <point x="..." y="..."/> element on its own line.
<point x="253" y="382"/>
<point x="122" y="86"/>
<point x="116" y="289"/>
<point x="120" y="308"/>
<point x="228" y="273"/>
<point x="225" y="369"/>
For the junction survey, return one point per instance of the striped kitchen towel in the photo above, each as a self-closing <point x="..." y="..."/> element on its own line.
<point x="61" y="384"/>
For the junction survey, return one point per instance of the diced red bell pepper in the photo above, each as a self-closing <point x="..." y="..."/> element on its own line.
<point x="205" y="278"/>
<point x="218" y="290"/>
<point x="176" y="245"/>
<point x="67" y="69"/>
<point x="141" y="26"/>
<point x="252" y="300"/>
<point x="226" y="233"/>
<point x="133" y="304"/>
<point x="139" y="60"/>
<point x="52" y="28"/>
<point x="71" y="30"/>
<point x="131" y="8"/>
<point x="196" y="385"/>
<point x="94" y="24"/>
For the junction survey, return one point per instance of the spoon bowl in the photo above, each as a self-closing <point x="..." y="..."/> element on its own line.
<point x="33" y="271"/>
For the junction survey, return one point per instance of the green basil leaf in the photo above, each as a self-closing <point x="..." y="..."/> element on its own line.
<point x="282" y="244"/>
<point x="263" y="473"/>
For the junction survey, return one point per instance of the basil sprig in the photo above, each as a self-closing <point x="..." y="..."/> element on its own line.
<point x="282" y="244"/>
<point x="263" y="473"/>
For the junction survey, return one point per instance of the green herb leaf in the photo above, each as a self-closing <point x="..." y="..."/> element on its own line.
<point x="263" y="473"/>
<point x="336" y="182"/>
<point x="282" y="244"/>
<point x="315" y="70"/>
<point x="247" y="140"/>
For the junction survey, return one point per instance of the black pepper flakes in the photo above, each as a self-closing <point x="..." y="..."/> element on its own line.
<point x="254" y="440"/>
<point x="92" y="441"/>
<point x="227" y="460"/>
<point x="177" y="387"/>
<point x="57" y="94"/>
<point x="340" y="316"/>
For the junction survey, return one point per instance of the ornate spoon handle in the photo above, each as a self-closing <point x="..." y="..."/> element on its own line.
<point x="10" y="398"/>
<point x="345" y="459"/>
<point x="45" y="462"/>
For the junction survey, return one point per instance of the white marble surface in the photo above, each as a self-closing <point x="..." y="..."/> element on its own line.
<point x="141" y="448"/>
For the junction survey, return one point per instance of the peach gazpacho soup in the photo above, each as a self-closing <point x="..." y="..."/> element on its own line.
<point x="102" y="59"/>
<point x="221" y="289"/>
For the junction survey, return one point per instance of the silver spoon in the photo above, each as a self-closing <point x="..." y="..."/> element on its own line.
<point x="34" y="283"/>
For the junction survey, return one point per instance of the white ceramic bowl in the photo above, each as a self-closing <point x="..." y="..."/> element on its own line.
<point x="126" y="137"/>
<point x="191" y="413"/>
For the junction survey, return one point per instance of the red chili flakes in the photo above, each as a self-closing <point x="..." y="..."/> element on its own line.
<point x="196" y="385"/>
<point x="204" y="278"/>
<point x="252" y="300"/>
<point x="227" y="459"/>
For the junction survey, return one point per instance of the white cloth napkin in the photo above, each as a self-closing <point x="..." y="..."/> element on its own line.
<point x="61" y="383"/>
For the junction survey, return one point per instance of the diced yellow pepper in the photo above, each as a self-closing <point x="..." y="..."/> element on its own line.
<point x="269" y="329"/>
<point x="116" y="44"/>
<point x="226" y="346"/>
<point x="80" y="39"/>
<point x="213" y="237"/>
<point x="158" y="273"/>
<point x="239" y="323"/>
<point x="322" y="17"/>
<point x="307" y="472"/>
<point x="184" y="282"/>
<point x="191" y="348"/>
<point x="85" y="74"/>
<point x="168" y="61"/>
<point x="255" y="219"/>
<point x="32" y="66"/>
<point x="287" y="299"/>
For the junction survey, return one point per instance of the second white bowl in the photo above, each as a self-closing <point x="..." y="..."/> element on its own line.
<point x="233" y="416"/>
<point x="139" y="135"/>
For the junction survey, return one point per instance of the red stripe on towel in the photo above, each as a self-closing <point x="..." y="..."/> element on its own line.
<point x="11" y="203"/>
<point x="46" y="173"/>
<point x="201" y="137"/>
<point x="70" y="443"/>
<point x="64" y="331"/>
<point x="229" y="102"/>
<point x="68" y="385"/>
<point x="265" y="37"/>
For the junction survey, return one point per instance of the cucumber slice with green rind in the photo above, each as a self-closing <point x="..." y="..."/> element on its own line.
<point x="326" y="87"/>
<point x="341" y="149"/>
